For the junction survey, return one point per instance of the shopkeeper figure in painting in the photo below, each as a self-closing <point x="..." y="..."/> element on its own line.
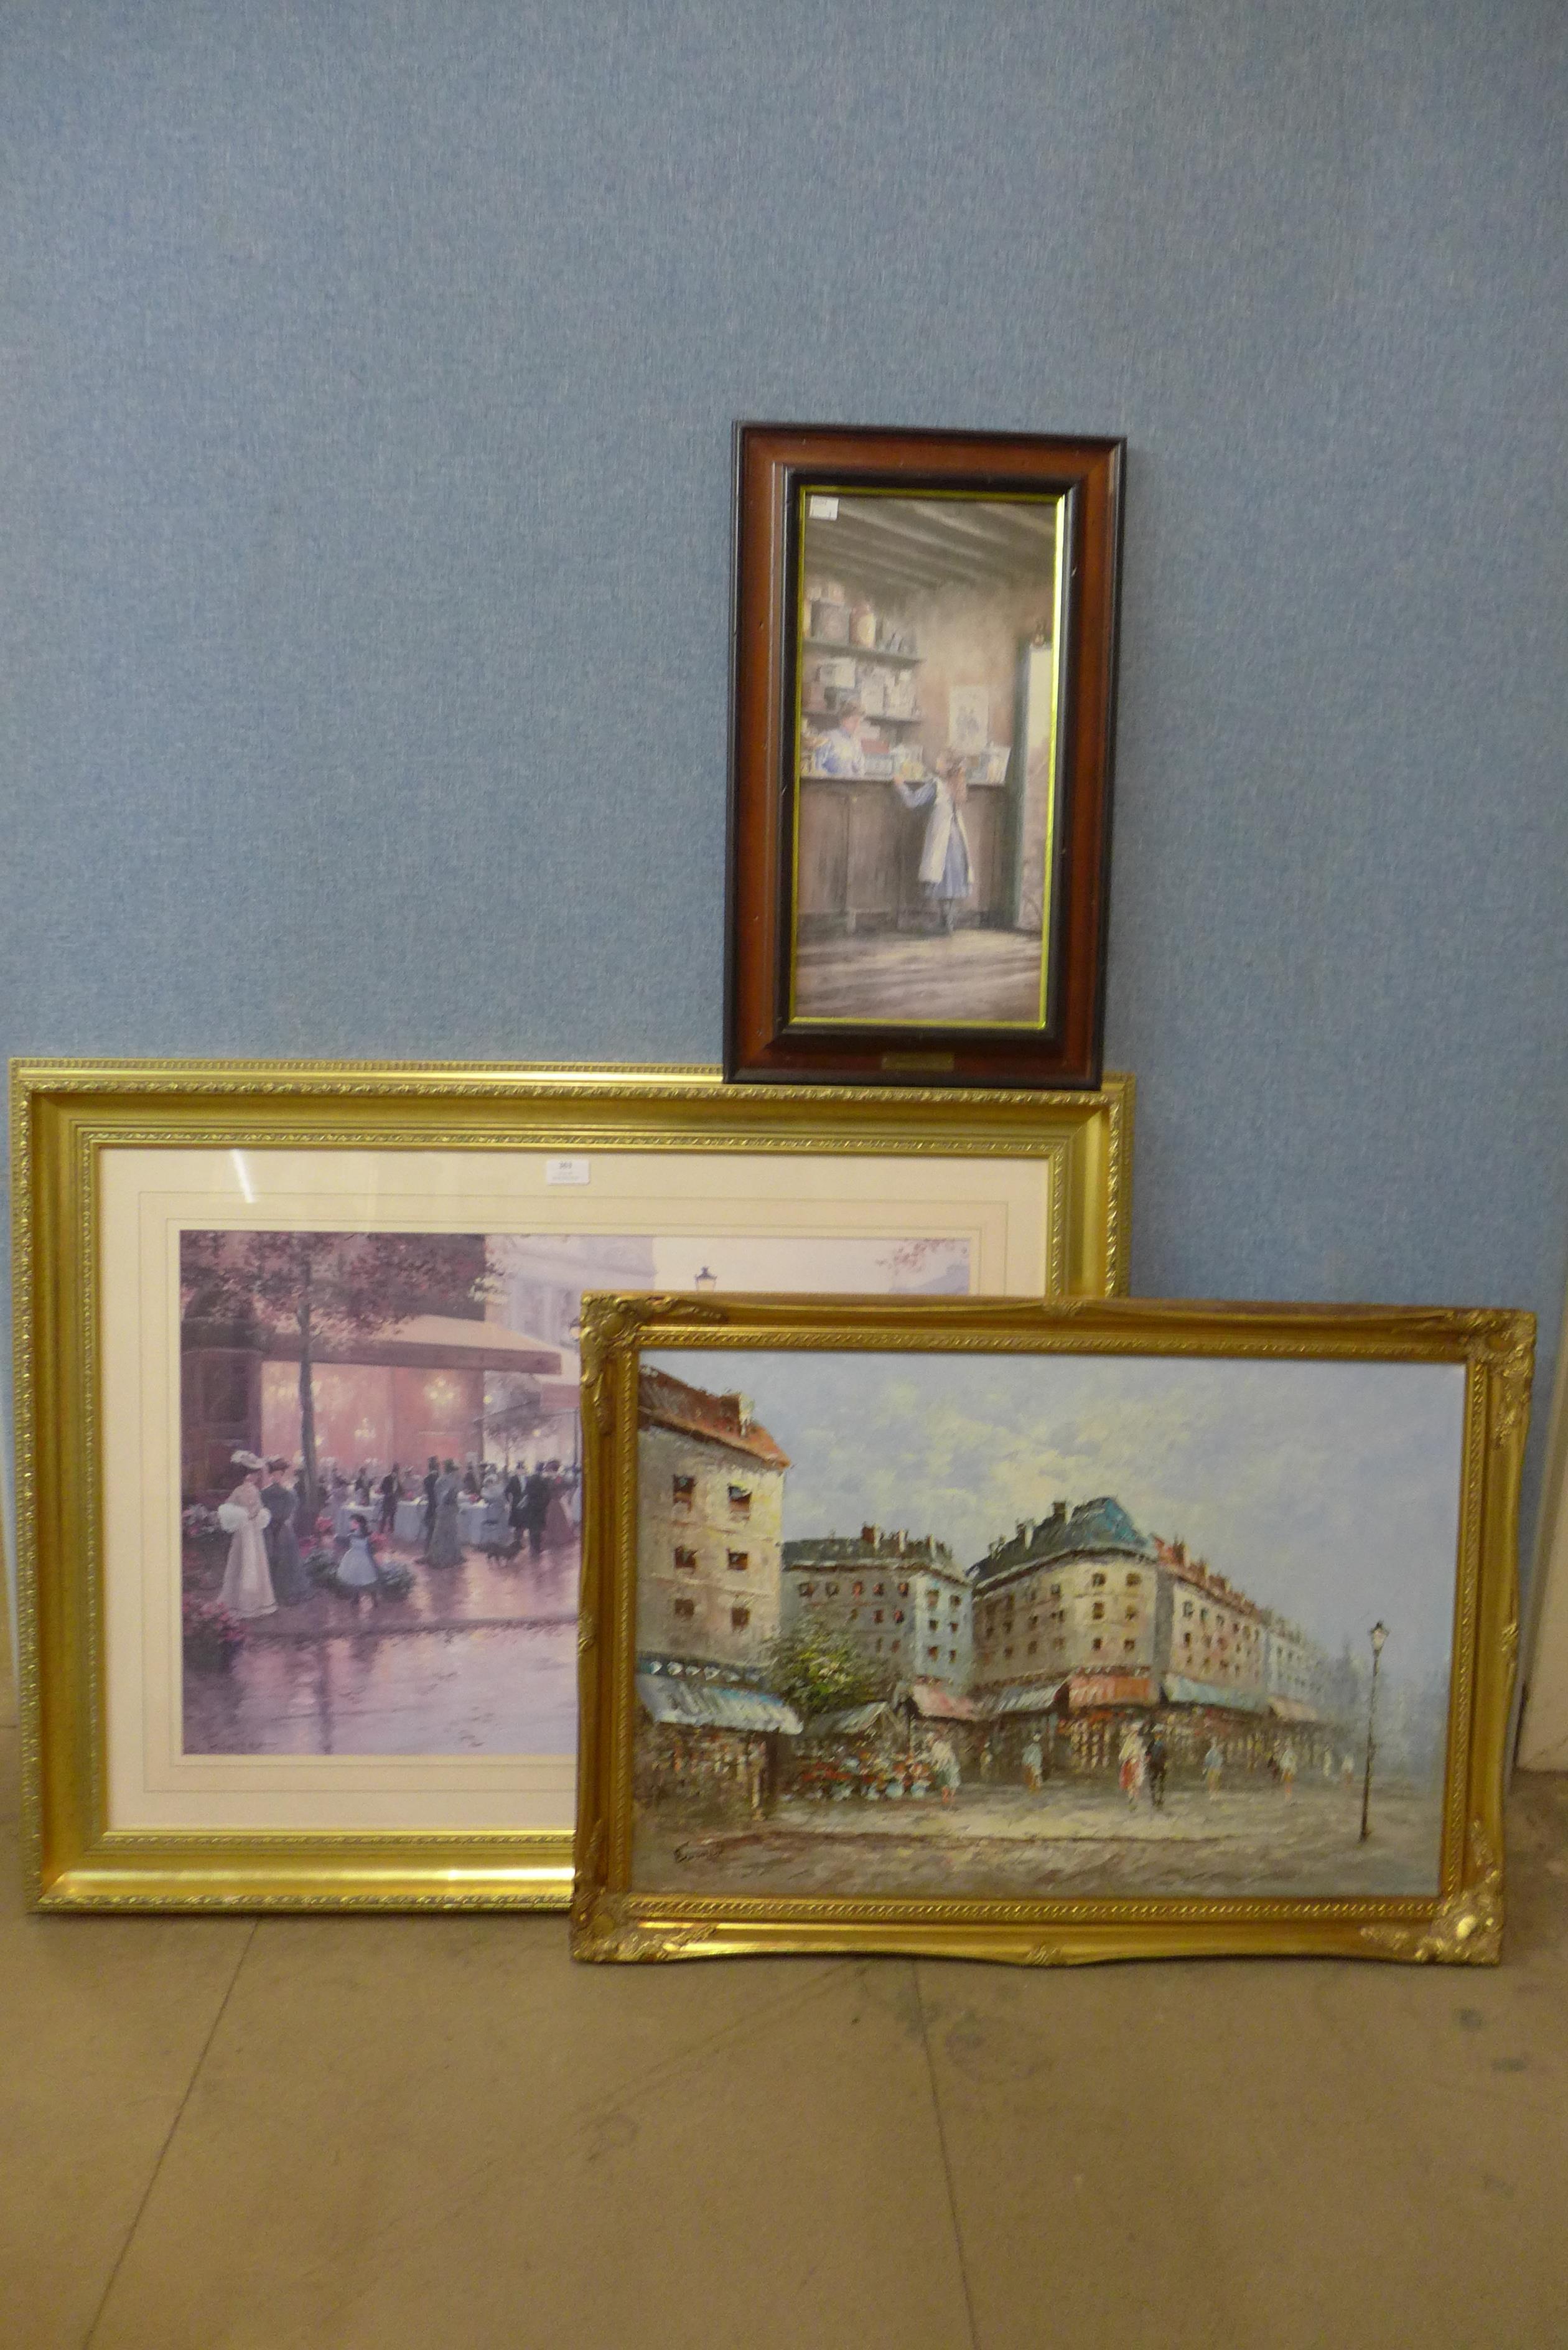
<point x="842" y="752"/>
<point x="946" y="872"/>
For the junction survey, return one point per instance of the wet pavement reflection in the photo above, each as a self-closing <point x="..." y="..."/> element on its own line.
<point x="479" y="1659"/>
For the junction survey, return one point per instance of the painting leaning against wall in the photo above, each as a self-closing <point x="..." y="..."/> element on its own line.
<point x="1038" y="1627"/>
<point x="380" y="1472"/>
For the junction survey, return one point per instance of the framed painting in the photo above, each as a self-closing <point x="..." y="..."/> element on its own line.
<point x="300" y="1488"/>
<point x="923" y="700"/>
<point x="1092" y="1630"/>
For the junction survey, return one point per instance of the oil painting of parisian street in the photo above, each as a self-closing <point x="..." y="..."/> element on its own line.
<point x="1033" y="1627"/>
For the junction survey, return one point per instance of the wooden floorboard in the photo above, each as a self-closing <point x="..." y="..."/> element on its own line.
<point x="977" y="975"/>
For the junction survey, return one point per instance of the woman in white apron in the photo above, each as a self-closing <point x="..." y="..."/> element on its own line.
<point x="247" y="1584"/>
<point x="947" y="873"/>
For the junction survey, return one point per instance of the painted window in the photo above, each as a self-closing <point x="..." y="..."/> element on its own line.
<point x="682" y="1491"/>
<point x="739" y="1561"/>
<point x="685" y="1560"/>
<point x="686" y="1607"/>
<point x="739" y="1617"/>
<point x="740" y="1501"/>
<point x="1099" y="1609"/>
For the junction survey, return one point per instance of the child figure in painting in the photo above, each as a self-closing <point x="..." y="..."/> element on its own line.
<point x="947" y="873"/>
<point x="356" y="1568"/>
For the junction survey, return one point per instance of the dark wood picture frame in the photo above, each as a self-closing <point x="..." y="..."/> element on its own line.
<point x="863" y="946"/>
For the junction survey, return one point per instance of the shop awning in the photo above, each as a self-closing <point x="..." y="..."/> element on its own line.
<point x="1291" y="1709"/>
<point x="849" y="1722"/>
<point x="1038" y="1699"/>
<point x="938" y="1704"/>
<point x="1182" y="1692"/>
<point x="702" y="1705"/>
<point x="1095" y="1693"/>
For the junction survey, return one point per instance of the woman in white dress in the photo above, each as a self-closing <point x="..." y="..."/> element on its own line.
<point x="248" y="1583"/>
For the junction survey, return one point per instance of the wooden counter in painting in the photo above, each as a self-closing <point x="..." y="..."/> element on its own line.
<point x="860" y="854"/>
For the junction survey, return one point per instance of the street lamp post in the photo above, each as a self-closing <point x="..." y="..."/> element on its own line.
<point x="1379" y="1634"/>
<point x="706" y="1280"/>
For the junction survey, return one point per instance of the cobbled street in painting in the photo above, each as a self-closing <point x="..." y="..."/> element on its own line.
<point x="1032" y="1627"/>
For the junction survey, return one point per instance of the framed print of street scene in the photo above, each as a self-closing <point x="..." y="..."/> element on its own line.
<point x="1046" y="1632"/>
<point x="920" y="761"/>
<point x="299" y="1438"/>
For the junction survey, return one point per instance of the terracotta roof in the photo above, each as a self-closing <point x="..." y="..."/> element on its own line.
<point x="664" y="1402"/>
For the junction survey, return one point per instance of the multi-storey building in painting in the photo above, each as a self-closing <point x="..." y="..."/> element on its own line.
<point x="1071" y="1593"/>
<point x="1082" y="1618"/>
<point x="899" y="1598"/>
<point x="710" y="1484"/>
<point x="711" y="1479"/>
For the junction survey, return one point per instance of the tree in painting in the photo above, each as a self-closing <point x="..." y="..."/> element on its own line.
<point x="326" y="1287"/>
<point x="818" y="1670"/>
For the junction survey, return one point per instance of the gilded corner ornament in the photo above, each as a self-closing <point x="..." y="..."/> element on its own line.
<point x="1465" y="1929"/>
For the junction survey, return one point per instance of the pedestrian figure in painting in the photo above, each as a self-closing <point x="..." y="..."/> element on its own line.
<point x="559" y="1529"/>
<point x="1157" y="1765"/>
<point x="248" y="1583"/>
<point x="1132" y="1760"/>
<point x="432" y="1476"/>
<point x="537" y="1495"/>
<point x="1288" y="1769"/>
<point x="1032" y="1761"/>
<point x="495" y="1530"/>
<point x="446" y="1535"/>
<point x="390" y="1486"/>
<point x="1347" y="1772"/>
<point x="342" y="1507"/>
<point x="1213" y="1764"/>
<point x="515" y="1511"/>
<point x="946" y="869"/>
<point x="356" y="1568"/>
<point x="945" y="1763"/>
<point x="288" y="1584"/>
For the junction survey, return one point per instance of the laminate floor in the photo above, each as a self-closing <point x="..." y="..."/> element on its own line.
<point x="974" y="975"/>
<point x="371" y="2134"/>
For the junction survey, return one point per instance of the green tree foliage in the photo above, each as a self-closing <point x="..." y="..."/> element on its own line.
<point x="818" y="1670"/>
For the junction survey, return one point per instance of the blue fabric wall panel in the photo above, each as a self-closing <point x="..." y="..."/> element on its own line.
<point x="365" y="603"/>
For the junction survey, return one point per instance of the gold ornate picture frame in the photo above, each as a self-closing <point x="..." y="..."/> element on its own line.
<point x="1046" y="1632"/>
<point x="211" y="1719"/>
